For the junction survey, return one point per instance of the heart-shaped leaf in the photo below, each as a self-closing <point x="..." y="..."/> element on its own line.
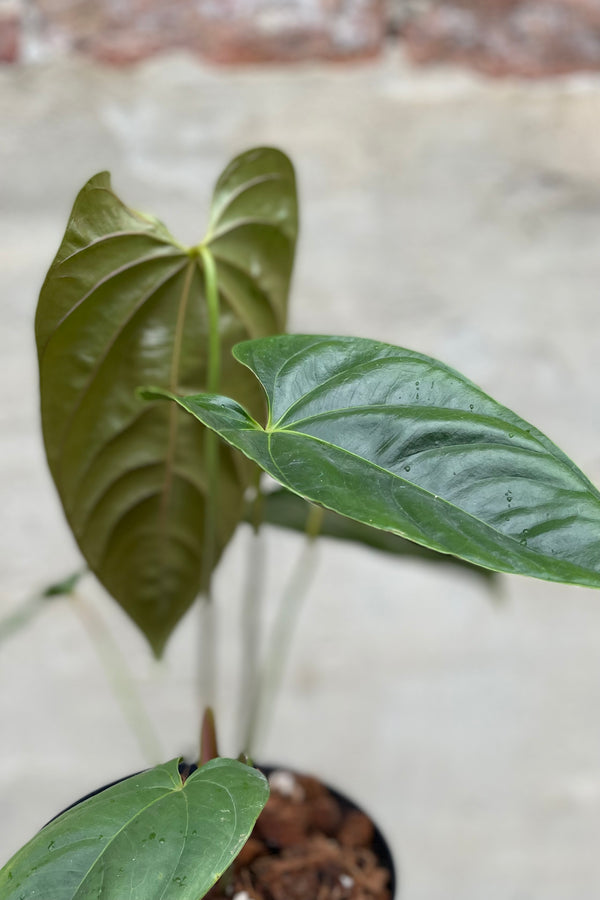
<point x="400" y="441"/>
<point x="124" y="304"/>
<point x="150" y="837"/>
<point x="286" y="510"/>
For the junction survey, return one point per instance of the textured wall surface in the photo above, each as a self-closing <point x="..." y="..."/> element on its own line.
<point x="224" y="31"/>
<point x="529" y="38"/>
<point x="453" y="215"/>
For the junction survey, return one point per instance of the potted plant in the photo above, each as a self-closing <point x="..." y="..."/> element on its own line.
<point x="400" y="445"/>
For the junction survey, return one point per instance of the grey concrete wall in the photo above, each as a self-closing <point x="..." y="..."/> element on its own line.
<point x="457" y="217"/>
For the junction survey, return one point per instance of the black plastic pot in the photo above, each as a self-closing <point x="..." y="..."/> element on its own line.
<point x="380" y="846"/>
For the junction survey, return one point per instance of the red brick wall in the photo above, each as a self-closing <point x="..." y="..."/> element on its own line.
<point x="530" y="38"/>
<point x="10" y="32"/>
<point x="500" y="37"/>
<point x="224" y="31"/>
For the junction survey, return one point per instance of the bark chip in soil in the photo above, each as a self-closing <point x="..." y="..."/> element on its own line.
<point x="306" y="845"/>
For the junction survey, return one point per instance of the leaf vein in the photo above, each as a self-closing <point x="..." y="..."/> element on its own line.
<point x="244" y="187"/>
<point x="106" y="351"/>
<point x="248" y="220"/>
<point x="115" y="235"/>
<point x="114" y="837"/>
<point x="437" y="497"/>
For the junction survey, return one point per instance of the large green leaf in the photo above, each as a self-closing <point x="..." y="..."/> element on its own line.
<point x="124" y="304"/>
<point x="150" y="837"/>
<point x="286" y="510"/>
<point x="400" y="441"/>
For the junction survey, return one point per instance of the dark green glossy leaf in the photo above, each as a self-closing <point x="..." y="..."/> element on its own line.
<point x="122" y="305"/>
<point x="400" y="441"/>
<point x="286" y="510"/>
<point x="150" y="837"/>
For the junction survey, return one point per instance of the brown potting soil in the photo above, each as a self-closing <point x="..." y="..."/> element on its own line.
<point x="306" y="845"/>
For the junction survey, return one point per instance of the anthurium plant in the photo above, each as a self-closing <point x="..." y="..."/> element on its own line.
<point x="400" y="441"/>
<point x="168" y="386"/>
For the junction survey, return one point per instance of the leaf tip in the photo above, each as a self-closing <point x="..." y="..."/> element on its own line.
<point x="150" y="392"/>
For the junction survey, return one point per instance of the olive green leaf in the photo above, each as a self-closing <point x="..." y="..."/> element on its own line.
<point x="149" y="837"/>
<point x="283" y="509"/>
<point x="399" y="441"/>
<point x="124" y="304"/>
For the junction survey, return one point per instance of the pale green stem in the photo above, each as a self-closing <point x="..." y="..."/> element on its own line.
<point x="34" y="604"/>
<point x="251" y="620"/>
<point x="208" y="662"/>
<point x="120" y="679"/>
<point x="21" y="616"/>
<point x="212" y="302"/>
<point x="271" y="675"/>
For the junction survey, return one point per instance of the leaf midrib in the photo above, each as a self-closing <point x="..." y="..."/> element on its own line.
<point x="174" y="412"/>
<point x="398" y="409"/>
<point x="168" y="793"/>
<point x="187" y="824"/>
<point x="527" y="551"/>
